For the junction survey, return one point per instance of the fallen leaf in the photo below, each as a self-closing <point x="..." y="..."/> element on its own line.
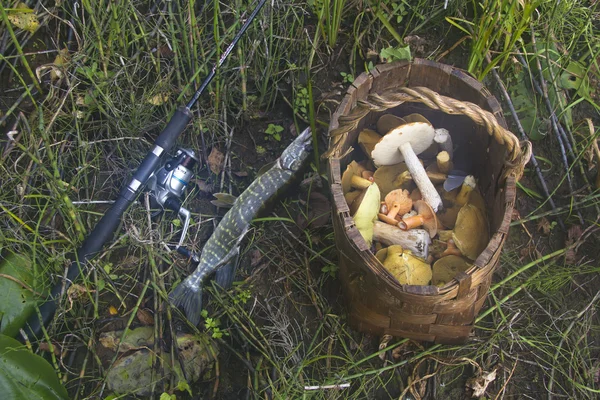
<point x="318" y="213"/>
<point x="385" y="340"/>
<point x="45" y="346"/>
<point x="255" y="257"/>
<point x="215" y="161"/>
<point x="480" y="383"/>
<point x="203" y="186"/>
<point x="241" y="174"/>
<point x="544" y="226"/>
<point x="224" y="200"/>
<point x="158" y="99"/>
<point x="24" y="18"/>
<point x="145" y="316"/>
<point x="112" y="310"/>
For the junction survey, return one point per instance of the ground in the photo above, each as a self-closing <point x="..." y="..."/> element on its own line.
<point x="77" y="122"/>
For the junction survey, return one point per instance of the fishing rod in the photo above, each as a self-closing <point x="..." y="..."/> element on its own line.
<point x="177" y="169"/>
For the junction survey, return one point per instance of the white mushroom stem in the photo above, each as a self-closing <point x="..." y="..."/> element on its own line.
<point x="430" y="195"/>
<point x="443" y="139"/>
<point x="415" y="240"/>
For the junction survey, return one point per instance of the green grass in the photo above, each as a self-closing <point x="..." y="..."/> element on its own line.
<point x="285" y="329"/>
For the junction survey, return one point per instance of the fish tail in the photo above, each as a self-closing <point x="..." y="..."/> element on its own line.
<point x="188" y="299"/>
<point x="224" y="275"/>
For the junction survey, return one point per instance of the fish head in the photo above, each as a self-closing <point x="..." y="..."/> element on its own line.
<point x="295" y="154"/>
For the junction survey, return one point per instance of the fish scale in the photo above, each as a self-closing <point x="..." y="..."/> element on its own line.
<point x="223" y="245"/>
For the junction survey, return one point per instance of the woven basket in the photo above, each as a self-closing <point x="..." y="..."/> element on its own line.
<point x="450" y="99"/>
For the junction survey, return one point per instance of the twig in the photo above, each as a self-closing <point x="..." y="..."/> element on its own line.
<point x="533" y="160"/>
<point x="23" y="284"/>
<point x="560" y="134"/>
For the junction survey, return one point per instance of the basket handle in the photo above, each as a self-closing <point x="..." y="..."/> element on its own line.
<point x="518" y="152"/>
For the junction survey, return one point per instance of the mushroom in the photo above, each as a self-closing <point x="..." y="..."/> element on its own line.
<point x="367" y="211"/>
<point x="352" y="178"/>
<point x="416" y="118"/>
<point x="390" y="177"/>
<point x="432" y="150"/>
<point x="381" y="255"/>
<point x="425" y="217"/>
<point x="351" y="196"/>
<point x="467" y="187"/>
<point x="443" y="162"/>
<point x="406" y="268"/>
<point x="367" y="139"/>
<point x="416" y="195"/>
<point x="403" y="144"/>
<point x="446" y="268"/>
<point x="387" y="122"/>
<point x="445" y="235"/>
<point x="470" y="233"/>
<point x="415" y="240"/>
<point x="451" y="249"/>
<point x="398" y="202"/>
<point x="444" y="140"/>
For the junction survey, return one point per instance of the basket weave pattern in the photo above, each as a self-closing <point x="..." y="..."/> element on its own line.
<point x="377" y="303"/>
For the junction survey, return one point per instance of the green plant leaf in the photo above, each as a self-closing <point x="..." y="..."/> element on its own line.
<point x="24" y="375"/>
<point x="17" y="296"/>
<point x="390" y="54"/>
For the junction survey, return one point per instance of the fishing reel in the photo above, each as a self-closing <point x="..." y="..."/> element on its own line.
<point x="167" y="184"/>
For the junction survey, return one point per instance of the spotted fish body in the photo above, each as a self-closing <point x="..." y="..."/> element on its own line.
<point x="223" y="245"/>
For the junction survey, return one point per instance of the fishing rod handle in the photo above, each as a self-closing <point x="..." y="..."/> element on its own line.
<point x="108" y="224"/>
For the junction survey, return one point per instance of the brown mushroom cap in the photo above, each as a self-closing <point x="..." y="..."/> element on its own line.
<point x="416" y="118"/>
<point x="352" y="178"/>
<point x="425" y="216"/>
<point x="387" y="122"/>
<point x="470" y="233"/>
<point x="446" y="268"/>
<point x="390" y="177"/>
<point x="351" y="196"/>
<point x="367" y="139"/>
<point x="407" y="269"/>
<point x="399" y="200"/>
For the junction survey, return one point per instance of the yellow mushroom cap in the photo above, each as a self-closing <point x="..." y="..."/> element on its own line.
<point x="407" y="269"/>
<point x="352" y="178"/>
<point x="470" y="233"/>
<point x="367" y="211"/>
<point x="446" y="268"/>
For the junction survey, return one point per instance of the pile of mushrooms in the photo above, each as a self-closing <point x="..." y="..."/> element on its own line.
<point x="421" y="233"/>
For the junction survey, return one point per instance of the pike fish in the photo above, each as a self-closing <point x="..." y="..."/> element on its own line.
<point x="224" y="244"/>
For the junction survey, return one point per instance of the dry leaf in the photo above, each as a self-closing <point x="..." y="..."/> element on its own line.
<point x="544" y="226"/>
<point x="215" y="161"/>
<point x="45" y="346"/>
<point x="145" y="317"/>
<point x="24" y="18"/>
<point x="255" y="257"/>
<point x="385" y="340"/>
<point x="224" y="200"/>
<point x="318" y="214"/>
<point x="480" y="383"/>
<point x="159" y="99"/>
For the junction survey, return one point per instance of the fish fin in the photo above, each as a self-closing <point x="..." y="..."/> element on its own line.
<point x="224" y="275"/>
<point x="189" y="300"/>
